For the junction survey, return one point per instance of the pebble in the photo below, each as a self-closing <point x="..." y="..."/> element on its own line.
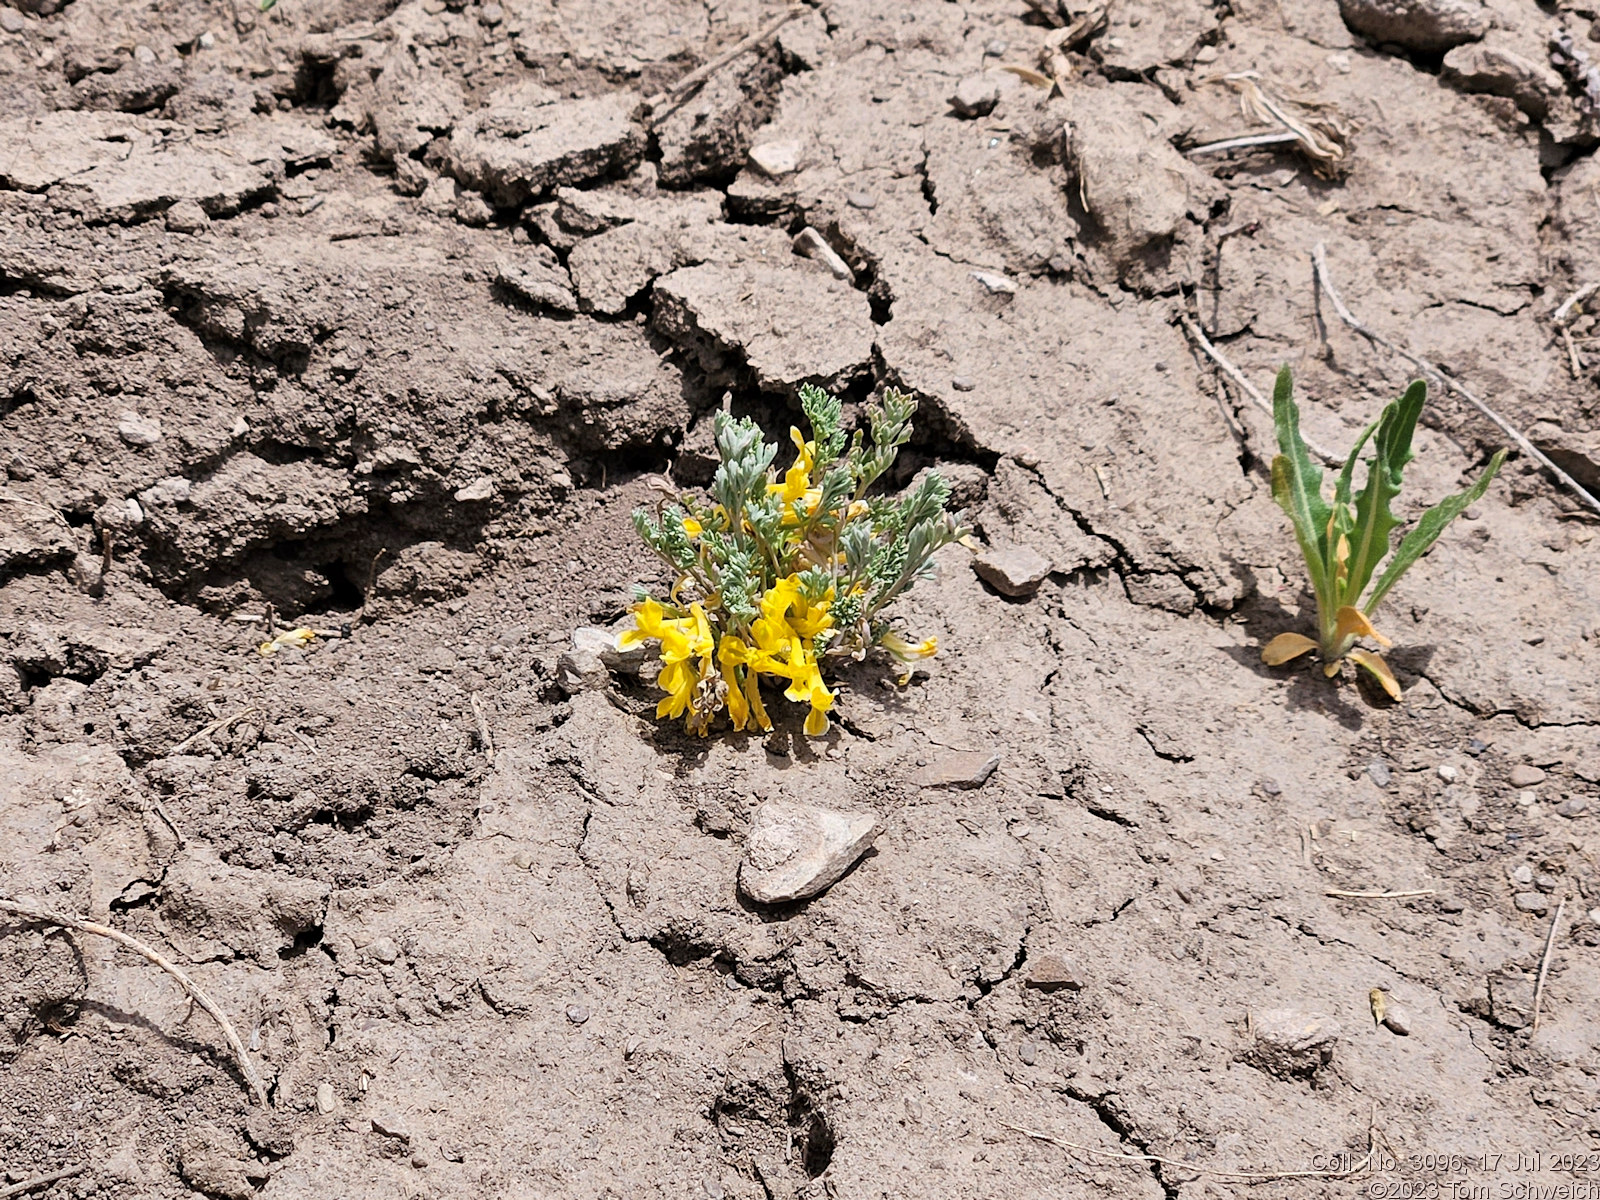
<point x="1525" y="776"/>
<point x="1575" y="807"/>
<point x="1050" y="972"/>
<point x="186" y="216"/>
<point x="994" y="284"/>
<point x="137" y="430"/>
<point x="1271" y="787"/>
<point x="976" y="96"/>
<point x="1546" y="883"/>
<point x="963" y="383"/>
<point x="1448" y="773"/>
<point x="775" y="159"/>
<point x="712" y="1186"/>
<point x="1476" y="746"/>
<point x="1594" y="916"/>
<point x="383" y="949"/>
<point x="482" y="488"/>
<point x="1397" y="1020"/>
<point x="1015" y="571"/>
<point x="577" y="1014"/>
<point x="1451" y="904"/>
<point x="1522" y="874"/>
<point x="794" y="850"/>
<point x="1531" y="902"/>
<point x="491" y="15"/>
<point x="1379" y="772"/>
<point x="957" y="769"/>
<point x="326" y="1102"/>
<point x="814" y="246"/>
<point x="860" y="200"/>
<point x="11" y="20"/>
<point x="1027" y="1053"/>
<point x="996" y="48"/>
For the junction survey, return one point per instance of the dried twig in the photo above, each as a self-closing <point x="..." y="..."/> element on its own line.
<point x="32" y="912"/>
<point x="1233" y="373"/>
<point x="1379" y="895"/>
<point x="1243" y="143"/>
<point x="166" y="817"/>
<point x="207" y="730"/>
<point x="1319" y="262"/>
<point x="1256" y="1176"/>
<point x="1563" y="315"/>
<point x="664" y="105"/>
<point x="1544" y="963"/>
<point x="41" y="1181"/>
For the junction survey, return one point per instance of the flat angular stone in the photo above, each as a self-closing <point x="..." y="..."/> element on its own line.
<point x="527" y="142"/>
<point x="1012" y="570"/>
<point x="958" y="769"/>
<point x="1426" y="26"/>
<point x="1051" y="972"/>
<point x="537" y="282"/>
<point x="797" y="850"/>
<point x="776" y="159"/>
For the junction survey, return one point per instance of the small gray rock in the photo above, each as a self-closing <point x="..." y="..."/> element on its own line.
<point x="577" y="1013"/>
<point x="1014" y="571"/>
<point x="1575" y="806"/>
<point x="138" y="431"/>
<point x="1511" y="1000"/>
<point x="1379" y="772"/>
<point x="1525" y="776"/>
<point x="963" y="383"/>
<point x="482" y="488"/>
<point x="1546" y="883"/>
<point x="580" y="671"/>
<point x="1051" y="972"/>
<point x="491" y="15"/>
<point x="383" y="949"/>
<point x="11" y="20"/>
<point x="776" y="159"/>
<point x="1451" y="904"/>
<point x="976" y="96"/>
<point x="1448" y="773"/>
<point x="1522" y="874"/>
<point x="1427" y="26"/>
<point x="860" y="200"/>
<point x="958" y="769"/>
<point x="815" y="247"/>
<point x="797" y="850"/>
<point x="186" y="216"/>
<point x="995" y="285"/>
<point x="1292" y="1042"/>
<point x="1396" y="1020"/>
<point x="326" y="1100"/>
<point x="1027" y="1053"/>
<point x="1531" y="902"/>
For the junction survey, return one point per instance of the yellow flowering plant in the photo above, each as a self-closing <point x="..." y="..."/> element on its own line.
<point x="775" y="576"/>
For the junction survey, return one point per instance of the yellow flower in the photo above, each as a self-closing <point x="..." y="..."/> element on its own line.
<point x="692" y="527"/>
<point x="906" y="651"/>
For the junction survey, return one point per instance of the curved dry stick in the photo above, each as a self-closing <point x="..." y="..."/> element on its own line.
<point x="32" y="912"/>
<point x="1233" y="373"/>
<point x="1319" y="263"/>
<point x="1544" y="962"/>
<point x="40" y="1181"/>
<point x="679" y="92"/>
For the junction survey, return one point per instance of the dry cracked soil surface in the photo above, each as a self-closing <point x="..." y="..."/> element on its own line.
<point x="378" y="317"/>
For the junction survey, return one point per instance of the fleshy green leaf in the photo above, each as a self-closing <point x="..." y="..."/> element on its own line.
<point x="1415" y="544"/>
<point x="1374" y="522"/>
<point x="1297" y="487"/>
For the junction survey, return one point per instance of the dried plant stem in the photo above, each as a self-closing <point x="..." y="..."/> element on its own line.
<point x="1544" y="963"/>
<point x="1233" y="373"/>
<point x="207" y="730"/>
<point x="665" y="105"/>
<point x="1243" y="143"/>
<point x="31" y="912"/>
<point x="485" y="734"/>
<point x="1379" y="895"/>
<point x="1319" y="261"/>
<point x="41" y="1181"/>
<point x="1563" y="315"/>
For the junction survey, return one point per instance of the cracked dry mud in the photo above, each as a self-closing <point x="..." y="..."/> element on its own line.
<point x="381" y="315"/>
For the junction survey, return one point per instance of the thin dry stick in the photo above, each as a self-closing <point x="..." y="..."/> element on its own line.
<point x="665" y="105"/>
<point x="208" y="730"/>
<point x="1544" y="963"/>
<point x="1242" y="143"/>
<point x="1562" y="315"/>
<point x="1233" y="373"/>
<point x="41" y="1181"/>
<point x="1257" y="1176"/>
<point x="1380" y="895"/>
<point x="161" y="811"/>
<point x="1319" y="263"/>
<point x="32" y="912"/>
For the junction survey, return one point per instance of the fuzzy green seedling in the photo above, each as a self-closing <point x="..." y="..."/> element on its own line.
<point x="1344" y="542"/>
